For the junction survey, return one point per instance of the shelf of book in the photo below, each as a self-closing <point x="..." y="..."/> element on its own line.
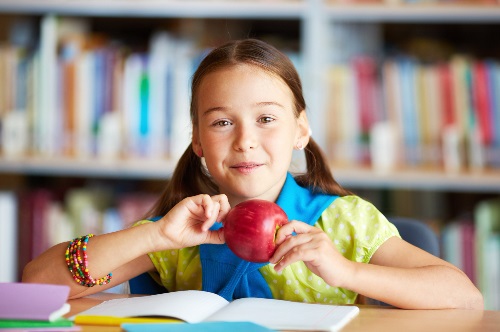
<point x="419" y="178"/>
<point x="160" y="8"/>
<point x="126" y="169"/>
<point x="353" y="177"/>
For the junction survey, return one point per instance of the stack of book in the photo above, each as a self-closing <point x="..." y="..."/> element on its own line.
<point x="34" y="307"/>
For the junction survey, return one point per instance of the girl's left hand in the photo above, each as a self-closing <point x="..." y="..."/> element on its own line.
<point x="312" y="246"/>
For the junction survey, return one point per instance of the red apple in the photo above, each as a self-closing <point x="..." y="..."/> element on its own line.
<point x="250" y="229"/>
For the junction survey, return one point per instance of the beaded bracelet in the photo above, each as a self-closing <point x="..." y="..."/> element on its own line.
<point x="78" y="267"/>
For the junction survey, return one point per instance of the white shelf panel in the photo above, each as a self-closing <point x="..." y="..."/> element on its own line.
<point x="467" y="181"/>
<point x="127" y="169"/>
<point x="414" y="13"/>
<point x="487" y="181"/>
<point x="159" y="8"/>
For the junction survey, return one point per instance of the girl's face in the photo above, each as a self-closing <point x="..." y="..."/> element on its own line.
<point x="247" y="131"/>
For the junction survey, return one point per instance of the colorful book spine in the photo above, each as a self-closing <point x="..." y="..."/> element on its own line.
<point x="487" y="233"/>
<point x="481" y="99"/>
<point x="8" y="237"/>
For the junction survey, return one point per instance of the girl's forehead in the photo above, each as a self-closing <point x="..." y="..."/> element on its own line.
<point x="233" y="76"/>
<point x="243" y="69"/>
<point x="241" y="86"/>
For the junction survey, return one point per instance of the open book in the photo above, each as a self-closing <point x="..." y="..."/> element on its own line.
<point x="198" y="306"/>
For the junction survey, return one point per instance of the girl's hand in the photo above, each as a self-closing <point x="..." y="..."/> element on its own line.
<point x="312" y="246"/>
<point x="188" y="223"/>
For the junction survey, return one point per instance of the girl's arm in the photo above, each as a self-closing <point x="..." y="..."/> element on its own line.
<point x="399" y="273"/>
<point x="407" y="277"/>
<point x="124" y="253"/>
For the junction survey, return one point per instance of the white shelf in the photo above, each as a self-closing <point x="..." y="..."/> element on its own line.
<point x="442" y="13"/>
<point x="159" y="8"/>
<point x="276" y="9"/>
<point x="131" y="169"/>
<point x="420" y="179"/>
<point x="487" y="181"/>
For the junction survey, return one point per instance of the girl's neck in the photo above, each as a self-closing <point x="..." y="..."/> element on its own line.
<point x="270" y="195"/>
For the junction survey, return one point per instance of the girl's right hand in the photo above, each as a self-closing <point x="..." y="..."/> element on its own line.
<point x="188" y="223"/>
<point x="313" y="247"/>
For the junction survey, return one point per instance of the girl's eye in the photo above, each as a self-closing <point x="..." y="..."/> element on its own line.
<point x="221" y="123"/>
<point x="266" y="119"/>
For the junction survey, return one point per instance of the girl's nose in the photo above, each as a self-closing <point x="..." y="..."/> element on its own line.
<point x="245" y="138"/>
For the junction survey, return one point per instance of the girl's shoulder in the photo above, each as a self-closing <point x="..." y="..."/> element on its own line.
<point x="351" y="204"/>
<point x="354" y="214"/>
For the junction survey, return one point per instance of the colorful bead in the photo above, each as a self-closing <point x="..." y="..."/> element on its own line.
<point x="78" y="267"/>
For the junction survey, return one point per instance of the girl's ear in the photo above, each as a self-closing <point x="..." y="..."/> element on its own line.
<point x="303" y="132"/>
<point x="195" y="144"/>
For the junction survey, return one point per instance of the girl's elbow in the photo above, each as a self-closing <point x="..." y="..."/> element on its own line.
<point x="33" y="272"/>
<point x="29" y="275"/>
<point x="472" y="301"/>
<point x="477" y="301"/>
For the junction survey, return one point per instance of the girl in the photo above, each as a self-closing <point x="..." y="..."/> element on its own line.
<point x="248" y="115"/>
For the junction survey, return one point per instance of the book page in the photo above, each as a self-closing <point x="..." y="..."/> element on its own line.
<point x="190" y="306"/>
<point x="286" y="315"/>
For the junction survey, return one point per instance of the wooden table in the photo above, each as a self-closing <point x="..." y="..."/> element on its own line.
<point x="370" y="318"/>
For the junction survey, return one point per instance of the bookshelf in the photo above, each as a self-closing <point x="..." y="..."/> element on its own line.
<point x="313" y="17"/>
<point x="310" y="30"/>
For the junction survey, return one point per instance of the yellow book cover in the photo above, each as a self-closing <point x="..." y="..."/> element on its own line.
<point x="117" y="321"/>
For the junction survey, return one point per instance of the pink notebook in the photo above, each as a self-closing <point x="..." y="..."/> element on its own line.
<point x="33" y="301"/>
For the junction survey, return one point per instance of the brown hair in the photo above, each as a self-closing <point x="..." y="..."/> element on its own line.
<point x="190" y="178"/>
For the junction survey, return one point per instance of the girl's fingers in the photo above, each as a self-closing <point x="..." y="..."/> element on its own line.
<point x="292" y="243"/>
<point x="216" y="208"/>
<point x="291" y="228"/>
<point x="212" y="217"/>
<point x="224" y="206"/>
<point x="199" y="205"/>
<point x="207" y="204"/>
<point x="304" y="253"/>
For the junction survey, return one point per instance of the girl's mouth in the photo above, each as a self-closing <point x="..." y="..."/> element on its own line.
<point x="246" y="167"/>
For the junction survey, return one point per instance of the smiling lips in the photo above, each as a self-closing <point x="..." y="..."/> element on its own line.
<point x="246" y="167"/>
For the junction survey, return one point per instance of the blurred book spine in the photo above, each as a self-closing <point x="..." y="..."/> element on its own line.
<point x="429" y="105"/>
<point x="80" y="94"/>
<point x="487" y="251"/>
<point x="33" y="220"/>
<point x="472" y="243"/>
<point x="8" y="237"/>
